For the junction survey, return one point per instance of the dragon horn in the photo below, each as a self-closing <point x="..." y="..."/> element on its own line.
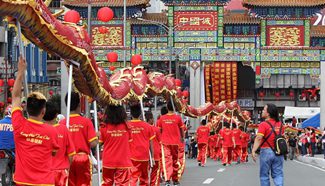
<point x="58" y="13"/>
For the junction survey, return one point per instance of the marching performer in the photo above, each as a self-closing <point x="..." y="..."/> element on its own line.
<point x="202" y="134"/>
<point x="35" y="141"/>
<point x="172" y="135"/>
<point x="84" y="137"/>
<point x="211" y="145"/>
<point x="244" y="137"/>
<point x="116" y="135"/>
<point x="61" y="161"/>
<point x="237" y="148"/>
<point x="156" y="169"/>
<point x="228" y="144"/>
<point x="142" y="135"/>
<point x="182" y="155"/>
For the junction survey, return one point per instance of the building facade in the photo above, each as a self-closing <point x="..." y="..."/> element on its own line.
<point x="263" y="51"/>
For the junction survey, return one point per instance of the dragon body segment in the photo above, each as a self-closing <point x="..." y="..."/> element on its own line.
<point x="72" y="43"/>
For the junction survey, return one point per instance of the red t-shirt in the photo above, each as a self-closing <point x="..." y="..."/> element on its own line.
<point x="237" y="134"/>
<point x="82" y="132"/>
<point x="142" y="133"/>
<point x="313" y="138"/>
<point x="156" y="143"/>
<point x="264" y="129"/>
<point x="220" y="139"/>
<point x="212" y="141"/>
<point x="227" y="136"/>
<point x="203" y="134"/>
<point x="35" y="143"/>
<point x="116" y="140"/>
<point x="61" y="159"/>
<point x="244" y="137"/>
<point x="170" y="125"/>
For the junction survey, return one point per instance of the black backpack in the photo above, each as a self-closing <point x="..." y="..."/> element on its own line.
<point x="280" y="143"/>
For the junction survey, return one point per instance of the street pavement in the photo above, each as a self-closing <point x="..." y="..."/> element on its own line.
<point x="214" y="174"/>
<point x="295" y="174"/>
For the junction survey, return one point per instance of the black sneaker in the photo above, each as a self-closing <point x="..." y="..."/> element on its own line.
<point x="199" y="163"/>
<point x="167" y="183"/>
<point x="224" y="164"/>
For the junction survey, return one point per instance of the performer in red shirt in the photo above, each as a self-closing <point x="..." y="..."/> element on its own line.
<point x="212" y="146"/>
<point x="171" y="126"/>
<point x="115" y="136"/>
<point x="237" y="149"/>
<point x="35" y="141"/>
<point x="62" y="159"/>
<point x="219" y="144"/>
<point x="156" y="169"/>
<point x="83" y="135"/>
<point x="313" y="142"/>
<point x="182" y="155"/>
<point x="142" y="135"/>
<point x="244" y="137"/>
<point x="215" y="147"/>
<point x="228" y="144"/>
<point x="202" y="134"/>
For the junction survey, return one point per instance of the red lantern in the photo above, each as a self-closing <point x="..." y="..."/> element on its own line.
<point x="51" y="92"/>
<point x="10" y="89"/>
<point x="291" y="94"/>
<point x="11" y="82"/>
<point x="261" y="94"/>
<point x="136" y="59"/>
<point x="72" y="16"/>
<point x="1" y="82"/>
<point x="9" y="100"/>
<point x="105" y="14"/>
<point x="112" y="57"/>
<point x="102" y="30"/>
<point x="185" y="93"/>
<point x="112" y="68"/>
<point x="2" y="104"/>
<point x="178" y="82"/>
<point x="277" y="95"/>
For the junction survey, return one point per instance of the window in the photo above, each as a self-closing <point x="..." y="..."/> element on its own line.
<point x="55" y="4"/>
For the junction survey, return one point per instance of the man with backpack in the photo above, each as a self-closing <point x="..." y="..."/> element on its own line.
<point x="272" y="145"/>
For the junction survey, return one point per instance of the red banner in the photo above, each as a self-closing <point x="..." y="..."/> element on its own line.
<point x="234" y="80"/>
<point x="196" y="21"/>
<point x="224" y="80"/>
<point x="207" y="75"/>
<point x="113" y="38"/>
<point x="285" y="35"/>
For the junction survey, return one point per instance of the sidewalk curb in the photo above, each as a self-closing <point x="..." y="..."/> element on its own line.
<point x="318" y="162"/>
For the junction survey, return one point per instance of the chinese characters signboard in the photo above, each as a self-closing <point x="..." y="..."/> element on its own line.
<point x="192" y="21"/>
<point x="285" y="35"/>
<point x="113" y="37"/>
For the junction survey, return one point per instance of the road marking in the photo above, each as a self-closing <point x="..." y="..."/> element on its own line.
<point x="221" y="170"/>
<point x="208" y="181"/>
<point x="309" y="165"/>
